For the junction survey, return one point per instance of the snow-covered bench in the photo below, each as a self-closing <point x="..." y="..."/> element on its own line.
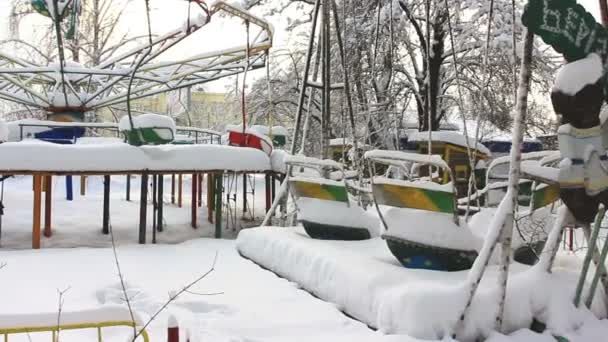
<point x="53" y="322"/>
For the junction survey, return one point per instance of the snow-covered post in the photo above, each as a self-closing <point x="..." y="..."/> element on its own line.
<point x="515" y="170"/>
<point x="501" y="228"/>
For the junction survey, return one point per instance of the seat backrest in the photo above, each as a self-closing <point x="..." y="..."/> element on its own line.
<point x="414" y="197"/>
<point x="543" y="195"/>
<point x="324" y="190"/>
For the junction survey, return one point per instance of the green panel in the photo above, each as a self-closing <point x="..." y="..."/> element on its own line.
<point x="444" y="201"/>
<point x="567" y="27"/>
<point x="279" y="140"/>
<point x="144" y="136"/>
<point x="312" y="189"/>
<point x="545" y="196"/>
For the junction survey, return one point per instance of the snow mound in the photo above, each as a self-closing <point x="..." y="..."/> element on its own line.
<point x="337" y="214"/>
<point x="574" y="76"/>
<point x="106" y="313"/>
<point x="368" y="283"/>
<point x="149" y="121"/>
<point x="430" y="228"/>
<point x="43" y="156"/>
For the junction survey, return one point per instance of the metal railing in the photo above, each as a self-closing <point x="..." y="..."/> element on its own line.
<point x="56" y="328"/>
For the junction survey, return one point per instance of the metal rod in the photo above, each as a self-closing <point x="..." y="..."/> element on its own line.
<point x="193" y="201"/>
<point x="48" y="200"/>
<point x="69" y="188"/>
<point x="143" y="207"/>
<point x="128" y="188"/>
<point x="311" y="42"/>
<point x="592" y="243"/>
<point x="37" y="180"/>
<point x="160" y="204"/>
<point x="154" y="207"/>
<point x="106" y="205"/>
<point x="219" y="178"/>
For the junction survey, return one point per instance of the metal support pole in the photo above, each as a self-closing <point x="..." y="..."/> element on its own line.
<point x="267" y="179"/>
<point x="106" y="205"/>
<point x="219" y="178"/>
<point x="83" y="185"/>
<point x="37" y="180"/>
<point x="200" y="189"/>
<point x="48" y="199"/>
<point x="179" y="190"/>
<point x="244" y="193"/>
<point x="210" y="196"/>
<point x="128" y="188"/>
<point x="159" y="201"/>
<point x="143" y="206"/>
<point x="326" y="77"/>
<point x="69" y="188"/>
<point x="173" y="189"/>
<point x="309" y="52"/>
<point x="193" y="201"/>
<point x="154" y="207"/>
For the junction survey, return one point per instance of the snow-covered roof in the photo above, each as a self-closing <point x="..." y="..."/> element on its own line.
<point x="453" y="138"/>
<point x="574" y="76"/>
<point x="119" y="157"/>
<point x="379" y="155"/>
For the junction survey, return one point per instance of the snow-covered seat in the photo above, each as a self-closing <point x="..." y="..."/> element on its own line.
<point x="423" y="229"/>
<point x="322" y="198"/>
<point x="148" y="129"/>
<point x="248" y="138"/>
<point x="97" y="318"/>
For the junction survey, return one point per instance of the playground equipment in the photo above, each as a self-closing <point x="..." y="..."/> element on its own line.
<point x="249" y="138"/>
<point x="105" y="317"/>
<point x="452" y="147"/>
<point x="325" y="207"/>
<point x="423" y="229"/>
<point x="148" y="129"/>
<point x="67" y="90"/>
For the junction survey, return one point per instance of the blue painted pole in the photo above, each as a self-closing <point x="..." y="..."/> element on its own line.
<point x="69" y="192"/>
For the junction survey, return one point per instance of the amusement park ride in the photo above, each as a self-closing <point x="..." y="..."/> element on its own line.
<point x="67" y="90"/>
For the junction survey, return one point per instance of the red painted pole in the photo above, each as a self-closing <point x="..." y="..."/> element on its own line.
<point x="172" y="330"/>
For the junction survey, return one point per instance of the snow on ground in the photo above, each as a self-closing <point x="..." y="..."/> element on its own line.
<point x="255" y="304"/>
<point x="79" y="222"/>
<point x="367" y="282"/>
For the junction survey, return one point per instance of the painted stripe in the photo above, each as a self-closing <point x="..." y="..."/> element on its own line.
<point x="319" y="191"/>
<point x="545" y="196"/>
<point x="414" y="198"/>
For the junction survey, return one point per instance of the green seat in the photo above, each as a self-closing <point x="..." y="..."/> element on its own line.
<point x="147" y="136"/>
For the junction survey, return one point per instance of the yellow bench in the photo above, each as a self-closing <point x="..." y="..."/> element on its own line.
<point x="103" y="317"/>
